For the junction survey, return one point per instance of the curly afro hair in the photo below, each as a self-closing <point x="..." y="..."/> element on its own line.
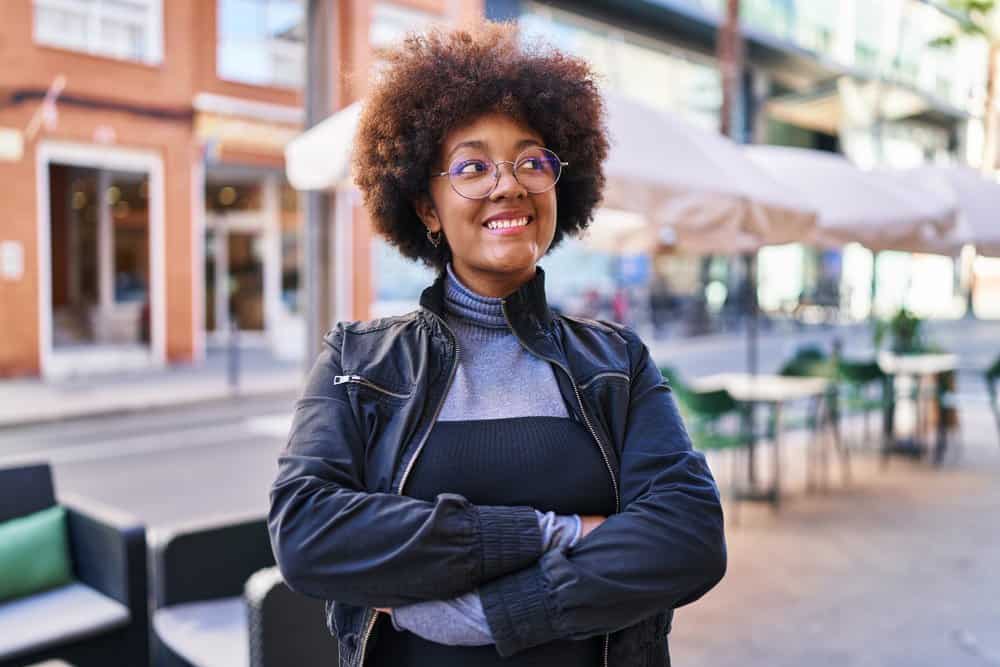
<point x="440" y="80"/>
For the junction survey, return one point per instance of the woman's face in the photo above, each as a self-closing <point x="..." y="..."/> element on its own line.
<point x="491" y="261"/>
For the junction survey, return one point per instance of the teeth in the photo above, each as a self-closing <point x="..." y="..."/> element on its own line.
<point x="506" y="224"/>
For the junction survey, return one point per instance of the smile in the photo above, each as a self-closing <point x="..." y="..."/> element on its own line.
<point x="512" y="223"/>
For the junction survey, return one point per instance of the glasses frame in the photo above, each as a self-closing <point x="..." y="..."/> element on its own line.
<point x="513" y="171"/>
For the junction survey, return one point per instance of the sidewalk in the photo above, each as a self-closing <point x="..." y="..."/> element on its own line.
<point x="28" y="401"/>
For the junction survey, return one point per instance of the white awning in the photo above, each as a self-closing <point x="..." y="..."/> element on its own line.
<point x="319" y="158"/>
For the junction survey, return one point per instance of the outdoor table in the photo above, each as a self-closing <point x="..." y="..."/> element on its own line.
<point x="916" y="366"/>
<point x="772" y="390"/>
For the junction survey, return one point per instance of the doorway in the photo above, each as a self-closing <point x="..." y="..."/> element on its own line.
<point x="100" y="214"/>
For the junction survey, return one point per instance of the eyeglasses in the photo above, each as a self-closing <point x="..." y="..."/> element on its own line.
<point x="537" y="169"/>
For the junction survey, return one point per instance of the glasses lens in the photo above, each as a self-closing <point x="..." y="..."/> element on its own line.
<point x="472" y="176"/>
<point x="537" y="169"/>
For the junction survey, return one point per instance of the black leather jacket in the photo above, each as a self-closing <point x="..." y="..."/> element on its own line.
<point x="343" y="530"/>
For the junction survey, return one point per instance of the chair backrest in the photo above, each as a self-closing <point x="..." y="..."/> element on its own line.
<point x="808" y="366"/>
<point x="993" y="378"/>
<point x="25" y="490"/>
<point x="286" y="628"/>
<point x="700" y="404"/>
<point x="859" y="372"/>
<point x="208" y="560"/>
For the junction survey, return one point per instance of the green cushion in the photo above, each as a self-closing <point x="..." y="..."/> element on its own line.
<point x="34" y="553"/>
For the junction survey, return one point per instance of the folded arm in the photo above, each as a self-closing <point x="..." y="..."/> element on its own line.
<point x="334" y="540"/>
<point x="665" y="549"/>
<point x="461" y="621"/>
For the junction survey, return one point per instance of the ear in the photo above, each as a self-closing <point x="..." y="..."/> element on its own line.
<point x="427" y="213"/>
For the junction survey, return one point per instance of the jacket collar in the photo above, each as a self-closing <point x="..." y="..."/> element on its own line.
<point x="527" y="307"/>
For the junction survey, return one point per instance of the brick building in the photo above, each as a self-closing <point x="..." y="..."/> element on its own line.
<point x="141" y="173"/>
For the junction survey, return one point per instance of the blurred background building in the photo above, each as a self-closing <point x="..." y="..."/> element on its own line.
<point x="147" y="211"/>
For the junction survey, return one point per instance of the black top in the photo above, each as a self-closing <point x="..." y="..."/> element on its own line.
<point x="548" y="463"/>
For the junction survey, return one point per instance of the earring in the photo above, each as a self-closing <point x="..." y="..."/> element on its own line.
<point x="434" y="238"/>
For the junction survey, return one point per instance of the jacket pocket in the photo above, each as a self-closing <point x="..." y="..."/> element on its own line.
<point x="378" y="388"/>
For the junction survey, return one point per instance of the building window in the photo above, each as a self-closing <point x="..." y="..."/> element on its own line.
<point x="261" y="42"/>
<point x="122" y="29"/>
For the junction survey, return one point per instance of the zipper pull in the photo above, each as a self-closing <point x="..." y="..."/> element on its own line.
<point x="341" y="379"/>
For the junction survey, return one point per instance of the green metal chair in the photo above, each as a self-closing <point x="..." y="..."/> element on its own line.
<point x="992" y="377"/>
<point x="714" y="420"/>
<point x="812" y="362"/>
<point x="865" y="388"/>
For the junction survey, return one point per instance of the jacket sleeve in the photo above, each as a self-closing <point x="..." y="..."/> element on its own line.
<point x="665" y="549"/>
<point x="334" y="540"/>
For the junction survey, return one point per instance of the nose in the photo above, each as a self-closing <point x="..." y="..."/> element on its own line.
<point x="507" y="186"/>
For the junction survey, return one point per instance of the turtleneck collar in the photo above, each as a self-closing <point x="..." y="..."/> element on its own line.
<point x="460" y="301"/>
<point x="527" y="308"/>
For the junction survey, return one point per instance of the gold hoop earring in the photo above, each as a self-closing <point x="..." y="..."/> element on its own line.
<point x="434" y="238"/>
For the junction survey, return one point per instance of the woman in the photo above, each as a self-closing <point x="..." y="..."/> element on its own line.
<point x="448" y="471"/>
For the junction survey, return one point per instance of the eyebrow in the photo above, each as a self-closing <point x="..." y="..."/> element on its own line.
<point x="521" y="145"/>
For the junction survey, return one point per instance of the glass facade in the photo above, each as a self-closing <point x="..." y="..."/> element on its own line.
<point x="649" y="71"/>
<point x="889" y="37"/>
<point x="261" y="42"/>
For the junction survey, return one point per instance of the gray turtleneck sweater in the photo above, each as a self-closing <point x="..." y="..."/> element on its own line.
<point x="492" y="366"/>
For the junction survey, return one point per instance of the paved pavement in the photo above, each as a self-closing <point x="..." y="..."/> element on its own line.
<point x="897" y="570"/>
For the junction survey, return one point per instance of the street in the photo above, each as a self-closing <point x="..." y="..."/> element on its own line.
<point x="167" y="466"/>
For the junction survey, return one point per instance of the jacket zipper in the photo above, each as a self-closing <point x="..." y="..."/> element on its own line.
<point x="586" y="420"/>
<point x="357" y="379"/>
<point x="409" y="466"/>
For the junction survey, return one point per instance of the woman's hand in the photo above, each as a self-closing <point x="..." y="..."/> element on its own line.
<point x="589" y="523"/>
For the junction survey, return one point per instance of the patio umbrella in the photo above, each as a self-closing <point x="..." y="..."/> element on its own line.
<point x="697" y="183"/>
<point x="978" y="202"/>
<point x="872" y="208"/>
<point x="620" y="232"/>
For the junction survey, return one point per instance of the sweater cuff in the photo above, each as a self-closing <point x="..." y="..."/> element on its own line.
<point x="511" y="539"/>
<point x="517" y="612"/>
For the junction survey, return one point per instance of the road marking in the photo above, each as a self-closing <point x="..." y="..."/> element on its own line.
<point x="223" y="434"/>
<point x="276" y="425"/>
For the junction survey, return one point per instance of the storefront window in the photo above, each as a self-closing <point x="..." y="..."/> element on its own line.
<point x="99" y="244"/>
<point x="261" y="42"/>
<point x="124" y="29"/>
<point x="222" y="197"/>
<point x="128" y="198"/>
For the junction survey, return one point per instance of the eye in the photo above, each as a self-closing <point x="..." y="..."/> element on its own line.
<point x="469" y="168"/>
<point x="531" y="164"/>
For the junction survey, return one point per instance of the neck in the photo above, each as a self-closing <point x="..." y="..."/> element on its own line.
<point x="492" y="284"/>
